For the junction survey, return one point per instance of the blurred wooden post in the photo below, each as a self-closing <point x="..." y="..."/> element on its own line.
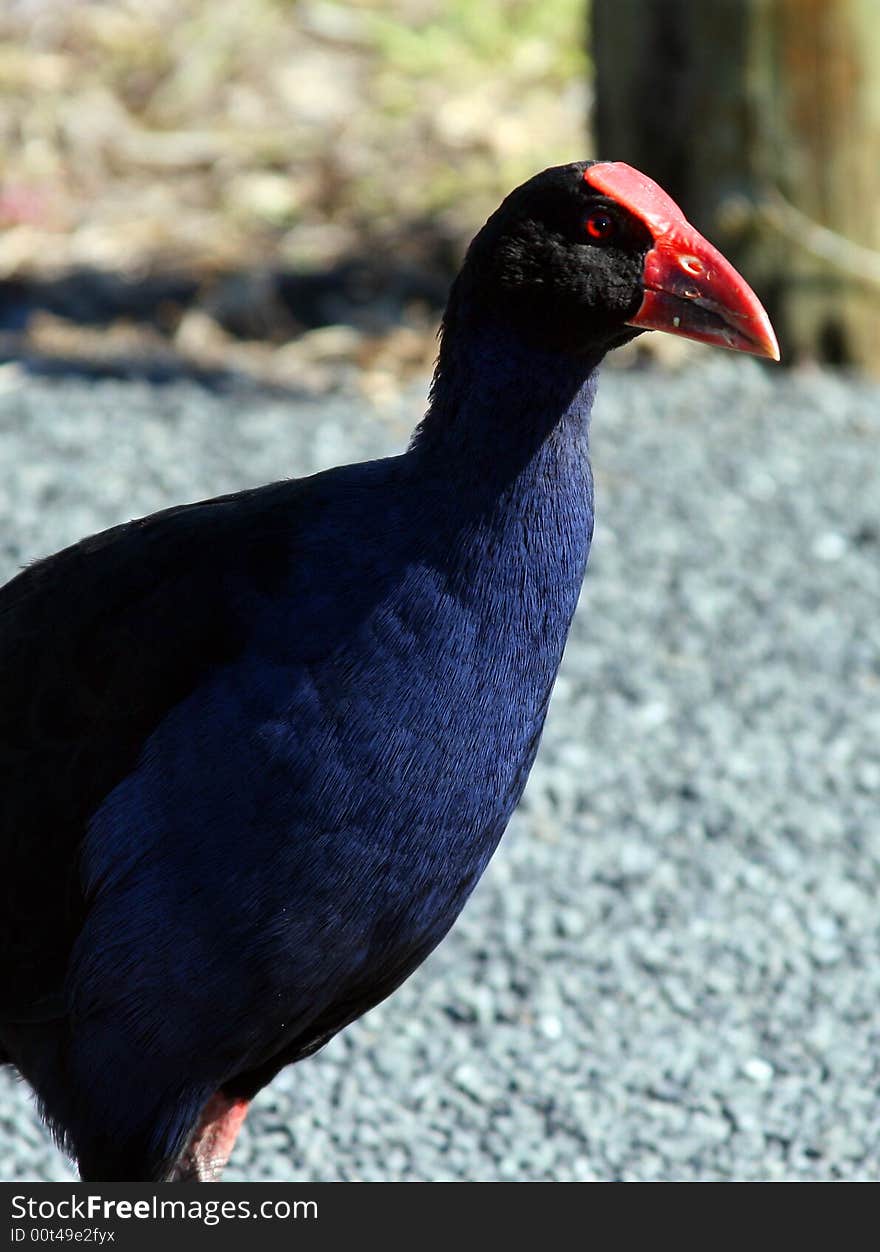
<point x="762" y="118"/>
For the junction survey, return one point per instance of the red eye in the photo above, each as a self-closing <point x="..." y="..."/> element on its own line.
<point x="600" y="226"/>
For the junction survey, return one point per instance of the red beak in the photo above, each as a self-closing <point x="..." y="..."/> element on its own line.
<point x="690" y="289"/>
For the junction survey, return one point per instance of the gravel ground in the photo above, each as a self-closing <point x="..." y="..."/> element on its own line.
<point x="671" y="969"/>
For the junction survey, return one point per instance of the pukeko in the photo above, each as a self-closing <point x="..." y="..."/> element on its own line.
<point x="257" y="751"/>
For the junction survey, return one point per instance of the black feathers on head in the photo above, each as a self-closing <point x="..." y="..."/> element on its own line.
<point x="536" y="265"/>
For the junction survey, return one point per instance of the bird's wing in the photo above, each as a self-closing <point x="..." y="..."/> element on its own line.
<point x="97" y="644"/>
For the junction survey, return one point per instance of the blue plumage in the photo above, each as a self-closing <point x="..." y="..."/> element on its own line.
<point x="363" y="754"/>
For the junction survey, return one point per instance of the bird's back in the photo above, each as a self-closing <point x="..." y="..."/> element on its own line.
<point x="97" y="644"/>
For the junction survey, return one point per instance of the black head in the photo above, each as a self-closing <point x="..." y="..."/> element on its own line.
<point x="559" y="262"/>
<point x="582" y="257"/>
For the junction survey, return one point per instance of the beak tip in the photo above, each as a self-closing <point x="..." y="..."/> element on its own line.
<point x="767" y="341"/>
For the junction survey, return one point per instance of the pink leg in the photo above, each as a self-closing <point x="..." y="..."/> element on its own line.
<point x="207" y="1152"/>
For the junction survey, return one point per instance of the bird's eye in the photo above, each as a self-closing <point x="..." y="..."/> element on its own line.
<point x="600" y="226"/>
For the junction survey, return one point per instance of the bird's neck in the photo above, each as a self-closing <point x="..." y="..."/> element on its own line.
<point x="505" y="416"/>
<point x="504" y="468"/>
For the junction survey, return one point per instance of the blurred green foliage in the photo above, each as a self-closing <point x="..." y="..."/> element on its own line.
<point x="211" y="130"/>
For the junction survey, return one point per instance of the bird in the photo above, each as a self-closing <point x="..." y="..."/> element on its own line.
<point x="257" y="751"/>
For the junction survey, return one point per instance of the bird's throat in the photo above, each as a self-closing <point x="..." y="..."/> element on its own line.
<point x="504" y="453"/>
<point x="503" y="411"/>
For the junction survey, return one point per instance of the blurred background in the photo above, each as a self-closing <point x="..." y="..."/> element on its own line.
<point x="194" y="177"/>
<point x="226" y="235"/>
<point x="204" y="172"/>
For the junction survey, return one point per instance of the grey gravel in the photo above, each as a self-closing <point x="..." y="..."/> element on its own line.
<point x="672" y="967"/>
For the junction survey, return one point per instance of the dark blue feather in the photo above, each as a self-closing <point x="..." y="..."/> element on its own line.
<point x="257" y="751"/>
<point x="304" y="828"/>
